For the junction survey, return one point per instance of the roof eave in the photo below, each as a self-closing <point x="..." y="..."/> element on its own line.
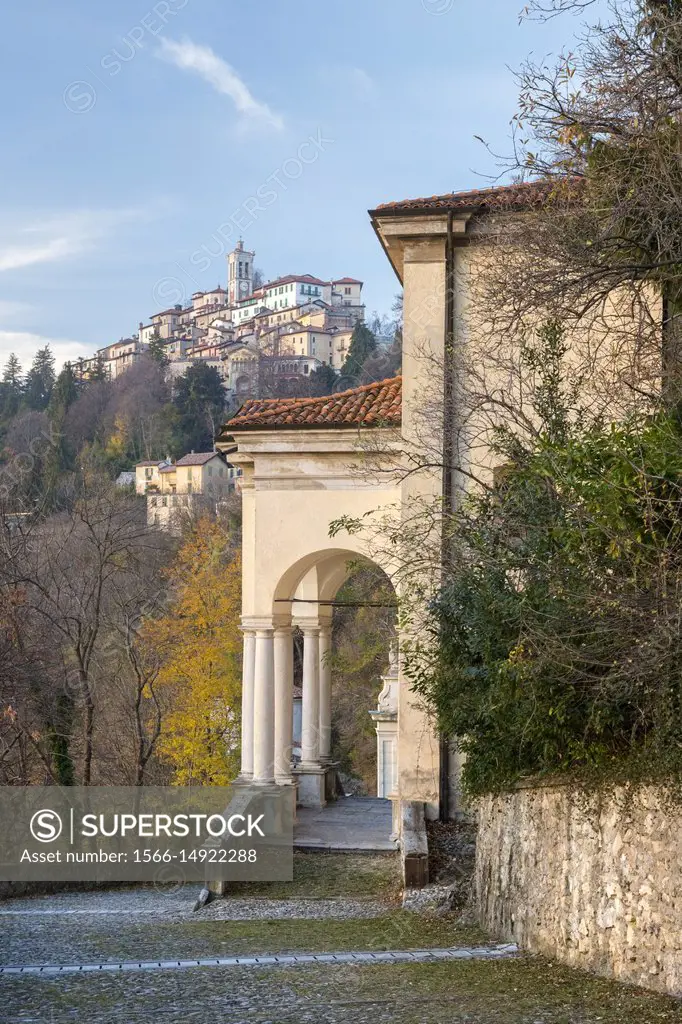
<point x="264" y="428"/>
<point x="279" y="439"/>
<point x="395" y="227"/>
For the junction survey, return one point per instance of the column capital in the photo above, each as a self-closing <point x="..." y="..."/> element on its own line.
<point x="256" y="622"/>
<point x="265" y="632"/>
<point x="283" y="629"/>
<point x="308" y="625"/>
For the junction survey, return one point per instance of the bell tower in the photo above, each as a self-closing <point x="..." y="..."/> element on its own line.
<point x="239" y="274"/>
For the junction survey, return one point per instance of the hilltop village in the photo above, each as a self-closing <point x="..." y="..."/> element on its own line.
<point x="285" y="330"/>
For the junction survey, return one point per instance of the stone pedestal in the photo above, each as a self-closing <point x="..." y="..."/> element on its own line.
<point x="330" y="780"/>
<point x="312" y="785"/>
<point x="316" y="784"/>
<point x="385" y="717"/>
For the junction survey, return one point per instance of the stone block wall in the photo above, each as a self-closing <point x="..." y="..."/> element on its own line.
<point x="592" y="880"/>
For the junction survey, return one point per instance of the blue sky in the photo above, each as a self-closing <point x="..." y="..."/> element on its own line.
<point x="142" y="138"/>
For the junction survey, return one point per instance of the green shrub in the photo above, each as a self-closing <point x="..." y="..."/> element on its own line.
<point x="560" y="619"/>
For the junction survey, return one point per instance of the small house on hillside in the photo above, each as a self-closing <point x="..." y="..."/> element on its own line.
<point x="199" y="480"/>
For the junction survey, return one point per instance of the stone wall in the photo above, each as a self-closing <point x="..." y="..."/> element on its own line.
<point x="595" y="881"/>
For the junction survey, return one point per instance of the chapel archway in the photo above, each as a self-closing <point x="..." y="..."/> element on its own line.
<point x="305" y="602"/>
<point x="362" y="656"/>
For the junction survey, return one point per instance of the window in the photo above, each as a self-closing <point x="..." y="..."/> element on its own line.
<point x="347" y="291"/>
<point x="189" y="474"/>
<point x="164" y="502"/>
<point x="153" y="502"/>
<point x="209" y="470"/>
<point x="189" y="488"/>
<point x="147" y="474"/>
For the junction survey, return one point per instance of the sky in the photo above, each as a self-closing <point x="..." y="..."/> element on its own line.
<point x="142" y="139"/>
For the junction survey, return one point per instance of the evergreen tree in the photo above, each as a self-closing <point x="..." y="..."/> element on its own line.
<point x="322" y="381"/>
<point x="40" y="380"/>
<point x="59" y="458"/>
<point x="11" y="388"/>
<point x="65" y="391"/>
<point x="363" y="344"/>
<point x="99" y="370"/>
<point x="157" y="350"/>
<point x="199" y="400"/>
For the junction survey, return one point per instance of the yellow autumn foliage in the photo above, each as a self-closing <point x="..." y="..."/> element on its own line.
<point x="199" y="645"/>
<point x="117" y="442"/>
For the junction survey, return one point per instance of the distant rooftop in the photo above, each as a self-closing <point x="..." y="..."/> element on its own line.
<point x="291" y="278"/>
<point x="196" y="459"/>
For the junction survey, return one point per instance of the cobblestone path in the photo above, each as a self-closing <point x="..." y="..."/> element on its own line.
<point x="144" y="925"/>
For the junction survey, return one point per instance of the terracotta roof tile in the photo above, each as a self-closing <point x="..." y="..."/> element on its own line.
<point x="372" y="405"/>
<point x="521" y="195"/>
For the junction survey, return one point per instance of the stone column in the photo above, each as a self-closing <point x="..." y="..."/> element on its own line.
<point x="325" y="694"/>
<point x="310" y="738"/>
<point x="247" y="703"/>
<point x="264" y="709"/>
<point x="284" y="702"/>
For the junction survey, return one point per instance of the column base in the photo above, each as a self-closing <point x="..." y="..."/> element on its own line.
<point x="311" y="785"/>
<point x="243" y="780"/>
<point x="316" y="784"/>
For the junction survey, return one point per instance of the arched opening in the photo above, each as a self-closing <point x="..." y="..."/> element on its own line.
<point x="363" y="638"/>
<point x="339" y="609"/>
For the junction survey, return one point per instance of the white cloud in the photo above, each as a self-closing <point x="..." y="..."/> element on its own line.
<point x="13" y="257"/>
<point x="59" y="236"/>
<point x="222" y="77"/>
<point x="24" y="344"/>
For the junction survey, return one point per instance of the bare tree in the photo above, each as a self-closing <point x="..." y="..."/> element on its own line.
<point x="66" y="567"/>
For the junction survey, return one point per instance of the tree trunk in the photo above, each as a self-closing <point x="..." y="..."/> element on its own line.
<point x="88" y="729"/>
